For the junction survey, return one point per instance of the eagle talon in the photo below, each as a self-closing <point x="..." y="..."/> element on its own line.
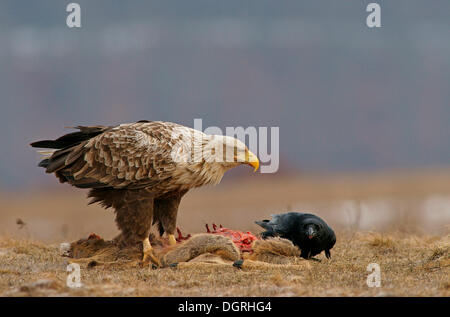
<point x="172" y="240"/>
<point x="147" y="254"/>
<point x="148" y="258"/>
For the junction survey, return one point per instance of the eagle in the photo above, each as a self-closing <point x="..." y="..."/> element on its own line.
<point x="142" y="170"/>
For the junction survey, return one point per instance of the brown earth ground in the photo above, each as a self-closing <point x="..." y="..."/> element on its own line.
<point x="397" y="220"/>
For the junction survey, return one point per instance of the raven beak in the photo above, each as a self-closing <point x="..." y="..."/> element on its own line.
<point x="311" y="233"/>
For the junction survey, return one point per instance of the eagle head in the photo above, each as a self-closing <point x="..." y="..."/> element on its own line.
<point x="228" y="152"/>
<point x="204" y="158"/>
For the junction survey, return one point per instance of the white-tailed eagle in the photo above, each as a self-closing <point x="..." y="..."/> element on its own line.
<point x="142" y="170"/>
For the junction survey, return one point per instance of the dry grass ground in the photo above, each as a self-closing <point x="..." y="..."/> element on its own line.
<point x="411" y="246"/>
<point x="410" y="266"/>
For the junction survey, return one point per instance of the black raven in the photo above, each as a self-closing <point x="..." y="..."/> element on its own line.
<point x="308" y="232"/>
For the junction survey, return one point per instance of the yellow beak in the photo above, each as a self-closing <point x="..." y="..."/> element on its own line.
<point x="252" y="159"/>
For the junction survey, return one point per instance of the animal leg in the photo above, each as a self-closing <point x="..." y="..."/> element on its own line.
<point x="134" y="213"/>
<point x="165" y="213"/>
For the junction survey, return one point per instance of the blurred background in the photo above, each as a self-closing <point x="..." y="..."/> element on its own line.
<point x="364" y="113"/>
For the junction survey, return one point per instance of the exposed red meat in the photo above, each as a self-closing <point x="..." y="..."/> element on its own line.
<point x="181" y="237"/>
<point x="243" y="240"/>
<point x="94" y="236"/>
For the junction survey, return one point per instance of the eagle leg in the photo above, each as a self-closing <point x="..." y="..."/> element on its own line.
<point x="165" y="214"/>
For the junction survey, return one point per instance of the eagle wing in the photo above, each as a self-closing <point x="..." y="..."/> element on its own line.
<point x="132" y="156"/>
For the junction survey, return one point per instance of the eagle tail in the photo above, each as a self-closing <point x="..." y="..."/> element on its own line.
<point x="63" y="146"/>
<point x="71" y="139"/>
<point x="44" y="163"/>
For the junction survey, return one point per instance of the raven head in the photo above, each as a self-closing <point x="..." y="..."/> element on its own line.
<point x="311" y="230"/>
